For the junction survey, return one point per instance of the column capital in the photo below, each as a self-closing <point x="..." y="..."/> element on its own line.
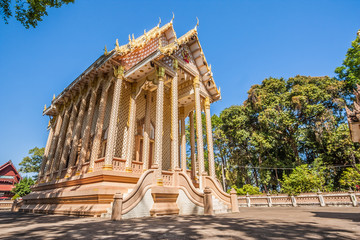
<point x="160" y="73"/>
<point x="196" y="81"/>
<point x="175" y="64"/>
<point x="207" y="102"/>
<point x="119" y="71"/>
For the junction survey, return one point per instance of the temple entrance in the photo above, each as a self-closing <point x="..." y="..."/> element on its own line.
<point x="139" y="142"/>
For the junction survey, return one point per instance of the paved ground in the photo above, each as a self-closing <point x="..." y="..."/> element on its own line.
<point x="250" y="223"/>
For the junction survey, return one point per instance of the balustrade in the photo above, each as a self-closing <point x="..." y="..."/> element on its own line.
<point x="119" y="164"/>
<point x="167" y="177"/>
<point x="137" y="167"/>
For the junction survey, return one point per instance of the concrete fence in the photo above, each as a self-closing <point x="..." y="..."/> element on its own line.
<point x="5" y="205"/>
<point x="350" y="198"/>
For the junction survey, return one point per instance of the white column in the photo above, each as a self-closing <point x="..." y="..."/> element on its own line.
<point x="199" y="134"/>
<point x="209" y="138"/>
<point x="77" y="134"/>
<point x="174" y="120"/>
<point x="69" y="134"/>
<point x="131" y="129"/>
<point x="183" y="140"/>
<point x="111" y="144"/>
<point x="89" y="120"/>
<point x="147" y="129"/>
<point x="159" y="119"/>
<point x="192" y="145"/>
<point x="46" y="152"/>
<point x="95" y="150"/>
<point x="60" y="144"/>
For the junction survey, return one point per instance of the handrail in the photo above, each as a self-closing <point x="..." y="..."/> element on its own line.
<point x="218" y="191"/>
<point x="143" y="184"/>
<point x="189" y="184"/>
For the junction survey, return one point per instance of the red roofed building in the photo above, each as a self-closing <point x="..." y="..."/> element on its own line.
<point x="8" y="178"/>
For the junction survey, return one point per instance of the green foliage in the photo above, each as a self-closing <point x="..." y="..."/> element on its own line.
<point x="349" y="72"/>
<point x="246" y="189"/>
<point x="350" y="178"/>
<point x="302" y="179"/>
<point x="29" y="12"/>
<point x="31" y="164"/>
<point x="284" y="123"/>
<point x="23" y="187"/>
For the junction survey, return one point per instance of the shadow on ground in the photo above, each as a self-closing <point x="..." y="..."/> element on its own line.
<point x="229" y="226"/>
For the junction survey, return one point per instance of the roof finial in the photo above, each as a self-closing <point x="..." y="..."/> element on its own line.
<point x="133" y="38"/>
<point x="172" y="18"/>
<point x="45" y="107"/>
<point x="117" y="47"/>
<point x="159" y="22"/>
<point x="105" y="52"/>
<point x="129" y="38"/>
<point x="197" y="23"/>
<point x="53" y="97"/>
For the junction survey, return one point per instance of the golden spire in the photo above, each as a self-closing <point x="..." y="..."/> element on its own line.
<point x="133" y="38"/>
<point x="49" y="124"/>
<point x="159" y="22"/>
<point x="45" y="107"/>
<point x="129" y="39"/>
<point x="105" y="51"/>
<point x="53" y="97"/>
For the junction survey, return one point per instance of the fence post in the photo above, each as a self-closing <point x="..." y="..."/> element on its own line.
<point x="117" y="207"/>
<point x="321" y="198"/>
<point x="293" y="201"/>
<point x="208" y="204"/>
<point x="248" y="200"/>
<point x="353" y="197"/>
<point x="269" y="199"/>
<point x="234" y="201"/>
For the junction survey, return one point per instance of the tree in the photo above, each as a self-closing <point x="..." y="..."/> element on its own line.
<point x="22" y="188"/>
<point x="31" y="164"/>
<point x="283" y="124"/>
<point x="29" y="12"/>
<point x="350" y="178"/>
<point x="349" y="72"/>
<point x="302" y="179"/>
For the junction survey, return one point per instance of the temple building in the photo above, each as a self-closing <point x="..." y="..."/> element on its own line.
<point x="120" y="128"/>
<point x="9" y="176"/>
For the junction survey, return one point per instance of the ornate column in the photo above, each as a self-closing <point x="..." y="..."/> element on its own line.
<point x="199" y="134"/>
<point x="159" y="119"/>
<point x="131" y="129"/>
<point x="183" y="140"/>
<point x="192" y="145"/>
<point x="89" y="120"/>
<point x="174" y="119"/>
<point x="60" y="144"/>
<point x="77" y="132"/>
<point x="147" y="129"/>
<point x="111" y="143"/>
<point x="209" y="137"/>
<point x="99" y="124"/>
<point x="46" y="152"/>
<point x="69" y="133"/>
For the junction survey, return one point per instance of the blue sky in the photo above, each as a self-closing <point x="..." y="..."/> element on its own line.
<point x="245" y="42"/>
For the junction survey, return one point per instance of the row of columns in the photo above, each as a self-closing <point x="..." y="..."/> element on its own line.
<point x="64" y="137"/>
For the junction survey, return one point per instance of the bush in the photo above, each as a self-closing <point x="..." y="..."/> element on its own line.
<point x="302" y="179"/>
<point x="247" y="188"/>
<point x="350" y="178"/>
<point x="22" y="188"/>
